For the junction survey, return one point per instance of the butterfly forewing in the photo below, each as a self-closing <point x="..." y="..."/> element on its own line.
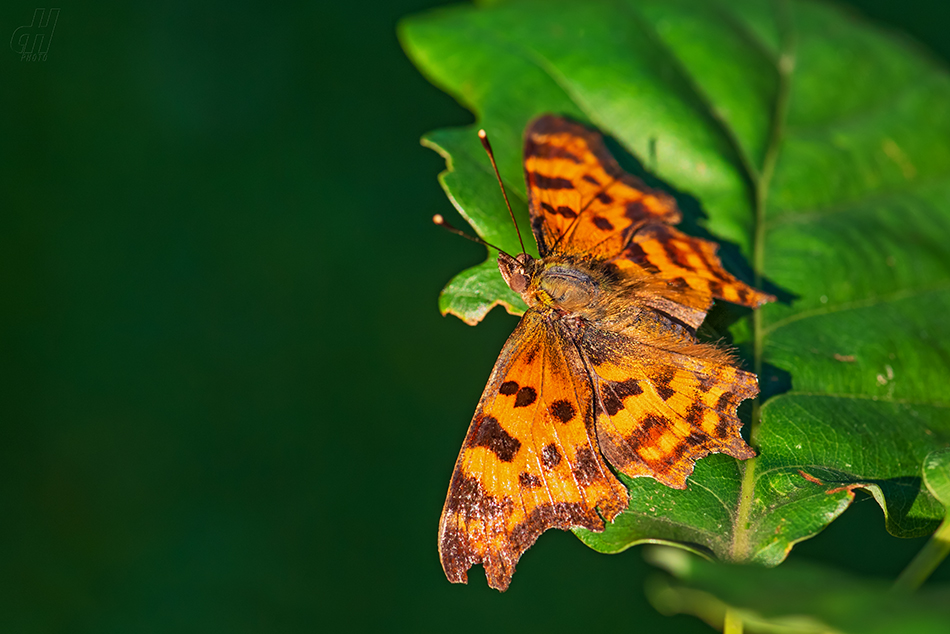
<point x="687" y="264"/>
<point x="529" y="461"/>
<point x="580" y="199"/>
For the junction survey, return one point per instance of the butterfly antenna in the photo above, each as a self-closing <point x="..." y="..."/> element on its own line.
<point x="442" y="222"/>
<point x="483" y="137"/>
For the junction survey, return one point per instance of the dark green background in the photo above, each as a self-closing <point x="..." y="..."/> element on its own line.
<point x="227" y="399"/>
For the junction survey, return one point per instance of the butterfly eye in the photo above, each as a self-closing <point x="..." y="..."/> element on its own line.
<point x="514" y="271"/>
<point x="518" y="282"/>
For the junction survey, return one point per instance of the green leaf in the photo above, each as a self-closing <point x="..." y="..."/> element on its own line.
<point x="799" y="598"/>
<point x="936" y="473"/>
<point x="937" y="476"/>
<point x="814" y="147"/>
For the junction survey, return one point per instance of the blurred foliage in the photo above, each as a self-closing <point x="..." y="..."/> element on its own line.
<point x="795" y="598"/>
<point x="227" y="400"/>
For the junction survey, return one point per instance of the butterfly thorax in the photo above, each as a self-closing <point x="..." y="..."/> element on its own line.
<point x="566" y="287"/>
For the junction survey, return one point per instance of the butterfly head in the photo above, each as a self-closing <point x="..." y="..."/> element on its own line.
<point x="516" y="271"/>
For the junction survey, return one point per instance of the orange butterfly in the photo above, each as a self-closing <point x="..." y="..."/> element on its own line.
<point x="604" y="366"/>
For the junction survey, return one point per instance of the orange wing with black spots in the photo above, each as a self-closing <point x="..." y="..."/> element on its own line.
<point x="529" y="461"/>
<point x="663" y="402"/>
<point x="580" y="200"/>
<point x="583" y="203"/>
<point x="690" y="267"/>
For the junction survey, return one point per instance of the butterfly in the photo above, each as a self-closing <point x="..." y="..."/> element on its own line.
<point x="604" y="369"/>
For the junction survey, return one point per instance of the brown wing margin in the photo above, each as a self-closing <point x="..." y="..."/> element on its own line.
<point x="580" y="199"/>
<point x="529" y="461"/>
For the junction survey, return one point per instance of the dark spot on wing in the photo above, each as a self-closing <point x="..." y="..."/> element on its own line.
<point x="662" y="384"/>
<point x="722" y="427"/>
<point x="694" y="415"/>
<point x="526" y="396"/>
<point x="470" y="501"/>
<point x="549" y="182"/>
<point x="550" y="456"/>
<point x="636" y="211"/>
<point x="529" y="480"/>
<point x="678" y="283"/>
<point x="707" y="383"/>
<point x="537" y="227"/>
<point x="586" y="470"/>
<point x="508" y="388"/>
<point x="563" y="411"/>
<point x="602" y="223"/>
<point x="493" y="436"/>
<point x="604" y="198"/>
<point x="561" y="210"/>
<point x="653" y="420"/>
<point x="695" y="439"/>
<point x="554" y="151"/>
<point x="651" y="427"/>
<point x="636" y="254"/>
<point x="629" y="387"/>
<point x="715" y="288"/>
<point x="590" y="179"/>
<point x="529" y="355"/>
<point x="722" y="405"/>
<point x="615" y="393"/>
<point x="612" y="403"/>
<point x="676" y="256"/>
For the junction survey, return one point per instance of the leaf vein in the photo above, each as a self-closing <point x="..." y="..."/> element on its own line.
<point x="867" y="302"/>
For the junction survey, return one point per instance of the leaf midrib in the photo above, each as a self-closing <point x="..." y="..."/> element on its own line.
<point x="857" y="304"/>
<point x="917" y="185"/>
<point x="868" y="397"/>
<point x="784" y="66"/>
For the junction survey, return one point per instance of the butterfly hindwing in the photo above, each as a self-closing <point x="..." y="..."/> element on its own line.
<point x="529" y="461"/>
<point x="581" y="201"/>
<point x="663" y="402"/>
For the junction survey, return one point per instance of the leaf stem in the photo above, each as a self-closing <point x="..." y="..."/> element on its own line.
<point x="731" y="623"/>
<point x="930" y="556"/>
<point x="740" y="541"/>
<point x="784" y="66"/>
